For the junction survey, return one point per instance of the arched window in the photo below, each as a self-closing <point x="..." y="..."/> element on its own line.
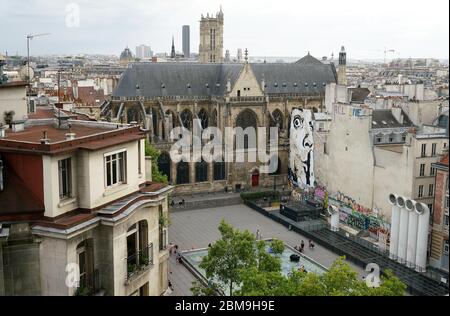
<point x="186" y="119"/>
<point x="164" y="165"/>
<point x="183" y="173"/>
<point x="219" y="170"/>
<point x="201" y="171"/>
<point x="214" y="121"/>
<point x="132" y="114"/>
<point x="204" y="119"/>
<point x="245" y="119"/>
<point x="278" y="119"/>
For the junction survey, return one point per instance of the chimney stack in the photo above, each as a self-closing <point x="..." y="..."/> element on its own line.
<point x="44" y="139"/>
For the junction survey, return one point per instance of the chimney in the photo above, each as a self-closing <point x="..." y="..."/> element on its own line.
<point x="70" y="136"/>
<point x="44" y="140"/>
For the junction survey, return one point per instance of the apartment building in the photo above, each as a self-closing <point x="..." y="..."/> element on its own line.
<point x="79" y="214"/>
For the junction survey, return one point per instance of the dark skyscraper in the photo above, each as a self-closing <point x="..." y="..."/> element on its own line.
<point x="186" y="41"/>
<point x="172" y="53"/>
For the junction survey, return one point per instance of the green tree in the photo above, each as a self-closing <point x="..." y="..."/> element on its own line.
<point x="153" y="153"/>
<point x="228" y="256"/>
<point x="250" y="268"/>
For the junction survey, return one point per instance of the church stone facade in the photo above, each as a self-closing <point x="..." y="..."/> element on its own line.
<point x="211" y="38"/>
<point x="161" y="96"/>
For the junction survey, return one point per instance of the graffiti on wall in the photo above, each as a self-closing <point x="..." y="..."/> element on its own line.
<point x="301" y="159"/>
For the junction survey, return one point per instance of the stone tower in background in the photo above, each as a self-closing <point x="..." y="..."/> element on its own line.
<point x="211" y="38"/>
<point x="342" y="71"/>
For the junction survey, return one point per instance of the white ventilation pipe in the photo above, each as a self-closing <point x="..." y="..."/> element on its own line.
<point x="334" y="221"/>
<point x="395" y="222"/>
<point x="412" y="233"/>
<point x="403" y="230"/>
<point x="422" y="236"/>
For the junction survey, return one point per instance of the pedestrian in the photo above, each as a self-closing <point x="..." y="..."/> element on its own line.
<point x="176" y="249"/>
<point x="183" y="202"/>
<point x="170" y="285"/>
<point x="257" y="234"/>
<point x="302" y="245"/>
<point x="209" y="245"/>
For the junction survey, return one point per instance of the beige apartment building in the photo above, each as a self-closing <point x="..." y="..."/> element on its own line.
<point x="79" y="214"/>
<point x="367" y="154"/>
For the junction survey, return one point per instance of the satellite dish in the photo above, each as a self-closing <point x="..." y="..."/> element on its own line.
<point x="23" y="73"/>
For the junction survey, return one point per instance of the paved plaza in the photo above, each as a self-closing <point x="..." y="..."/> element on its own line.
<point x="197" y="228"/>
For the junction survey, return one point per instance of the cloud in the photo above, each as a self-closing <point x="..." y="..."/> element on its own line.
<point x="265" y="27"/>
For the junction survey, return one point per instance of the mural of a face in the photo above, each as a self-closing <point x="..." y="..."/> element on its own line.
<point x="301" y="162"/>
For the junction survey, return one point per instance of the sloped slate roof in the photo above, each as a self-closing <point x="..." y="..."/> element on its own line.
<point x="161" y="79"/>
<point x="308" y="60"/>
<point x="171" y="79"/>
<point x="385" y="119"/>
<point x="294" y="78"/>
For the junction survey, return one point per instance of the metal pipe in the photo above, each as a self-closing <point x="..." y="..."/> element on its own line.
<point x="422" y="236"/>
<point x="403" y="230"/>
<point x="412" y="233"/>
<point x="395" y="226"/>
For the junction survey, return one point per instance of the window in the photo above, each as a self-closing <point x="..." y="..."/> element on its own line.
<point x="445" y="220"/>
<point x="219" y="170"/>
<point x="446" y="247"/>
<point x="422" y="170"/>
<point x="115" y="168"/>
<point x="433" y="149"/>
<point x="432" y="171"/>
<point x="424" y="150"/>
<point x="201" y="171"/>
<point x="183" y="173"/>
<point x="431" y="190"/>
<point x="420" y="191"/>
<point x="65" y="178"/>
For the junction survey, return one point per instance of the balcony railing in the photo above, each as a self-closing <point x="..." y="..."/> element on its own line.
<point x="139" y="261"/>
<point x="89" y="284"/>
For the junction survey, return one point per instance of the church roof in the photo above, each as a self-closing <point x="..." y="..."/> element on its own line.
<point x="185" y="79"/>
<point x="308" y="60"/>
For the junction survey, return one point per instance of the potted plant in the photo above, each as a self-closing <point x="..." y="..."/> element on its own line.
<point x="164" y="221"/>
<point x="8" y="117"/>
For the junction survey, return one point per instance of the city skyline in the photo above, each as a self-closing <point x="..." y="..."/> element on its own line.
<point x="365" y="36"/>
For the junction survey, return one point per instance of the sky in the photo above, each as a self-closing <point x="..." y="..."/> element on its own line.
<point x="413" y="28"/>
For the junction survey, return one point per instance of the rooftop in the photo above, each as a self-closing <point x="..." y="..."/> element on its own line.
<point x="89" y="135"/>
<point x="385" y="119"/>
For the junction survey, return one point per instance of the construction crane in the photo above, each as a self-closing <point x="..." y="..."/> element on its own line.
<point x="30" y="37"/>
<point x="387" y="51"/>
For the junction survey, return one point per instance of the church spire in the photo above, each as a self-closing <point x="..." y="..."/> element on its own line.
<point x="172" y="53"/>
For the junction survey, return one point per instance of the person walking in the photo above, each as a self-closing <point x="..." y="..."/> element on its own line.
<point x="302" y="245"/>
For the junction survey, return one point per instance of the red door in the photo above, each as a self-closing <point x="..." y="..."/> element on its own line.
<point x="255" y="179"/>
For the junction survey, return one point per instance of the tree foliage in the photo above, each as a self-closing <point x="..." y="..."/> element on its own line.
<point x="247" y="267"/>
<point x="153" y="153"/>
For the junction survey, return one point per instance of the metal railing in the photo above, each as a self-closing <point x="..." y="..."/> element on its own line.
<point x="139" y="261"/>
<point x="89" y="284"/>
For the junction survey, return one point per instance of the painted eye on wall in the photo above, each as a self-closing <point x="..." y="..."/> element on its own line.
<point x="298" y="122"/>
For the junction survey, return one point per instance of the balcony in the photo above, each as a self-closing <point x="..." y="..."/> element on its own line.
<point x="90" y="285"/>
<point x="139" y="262"/>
